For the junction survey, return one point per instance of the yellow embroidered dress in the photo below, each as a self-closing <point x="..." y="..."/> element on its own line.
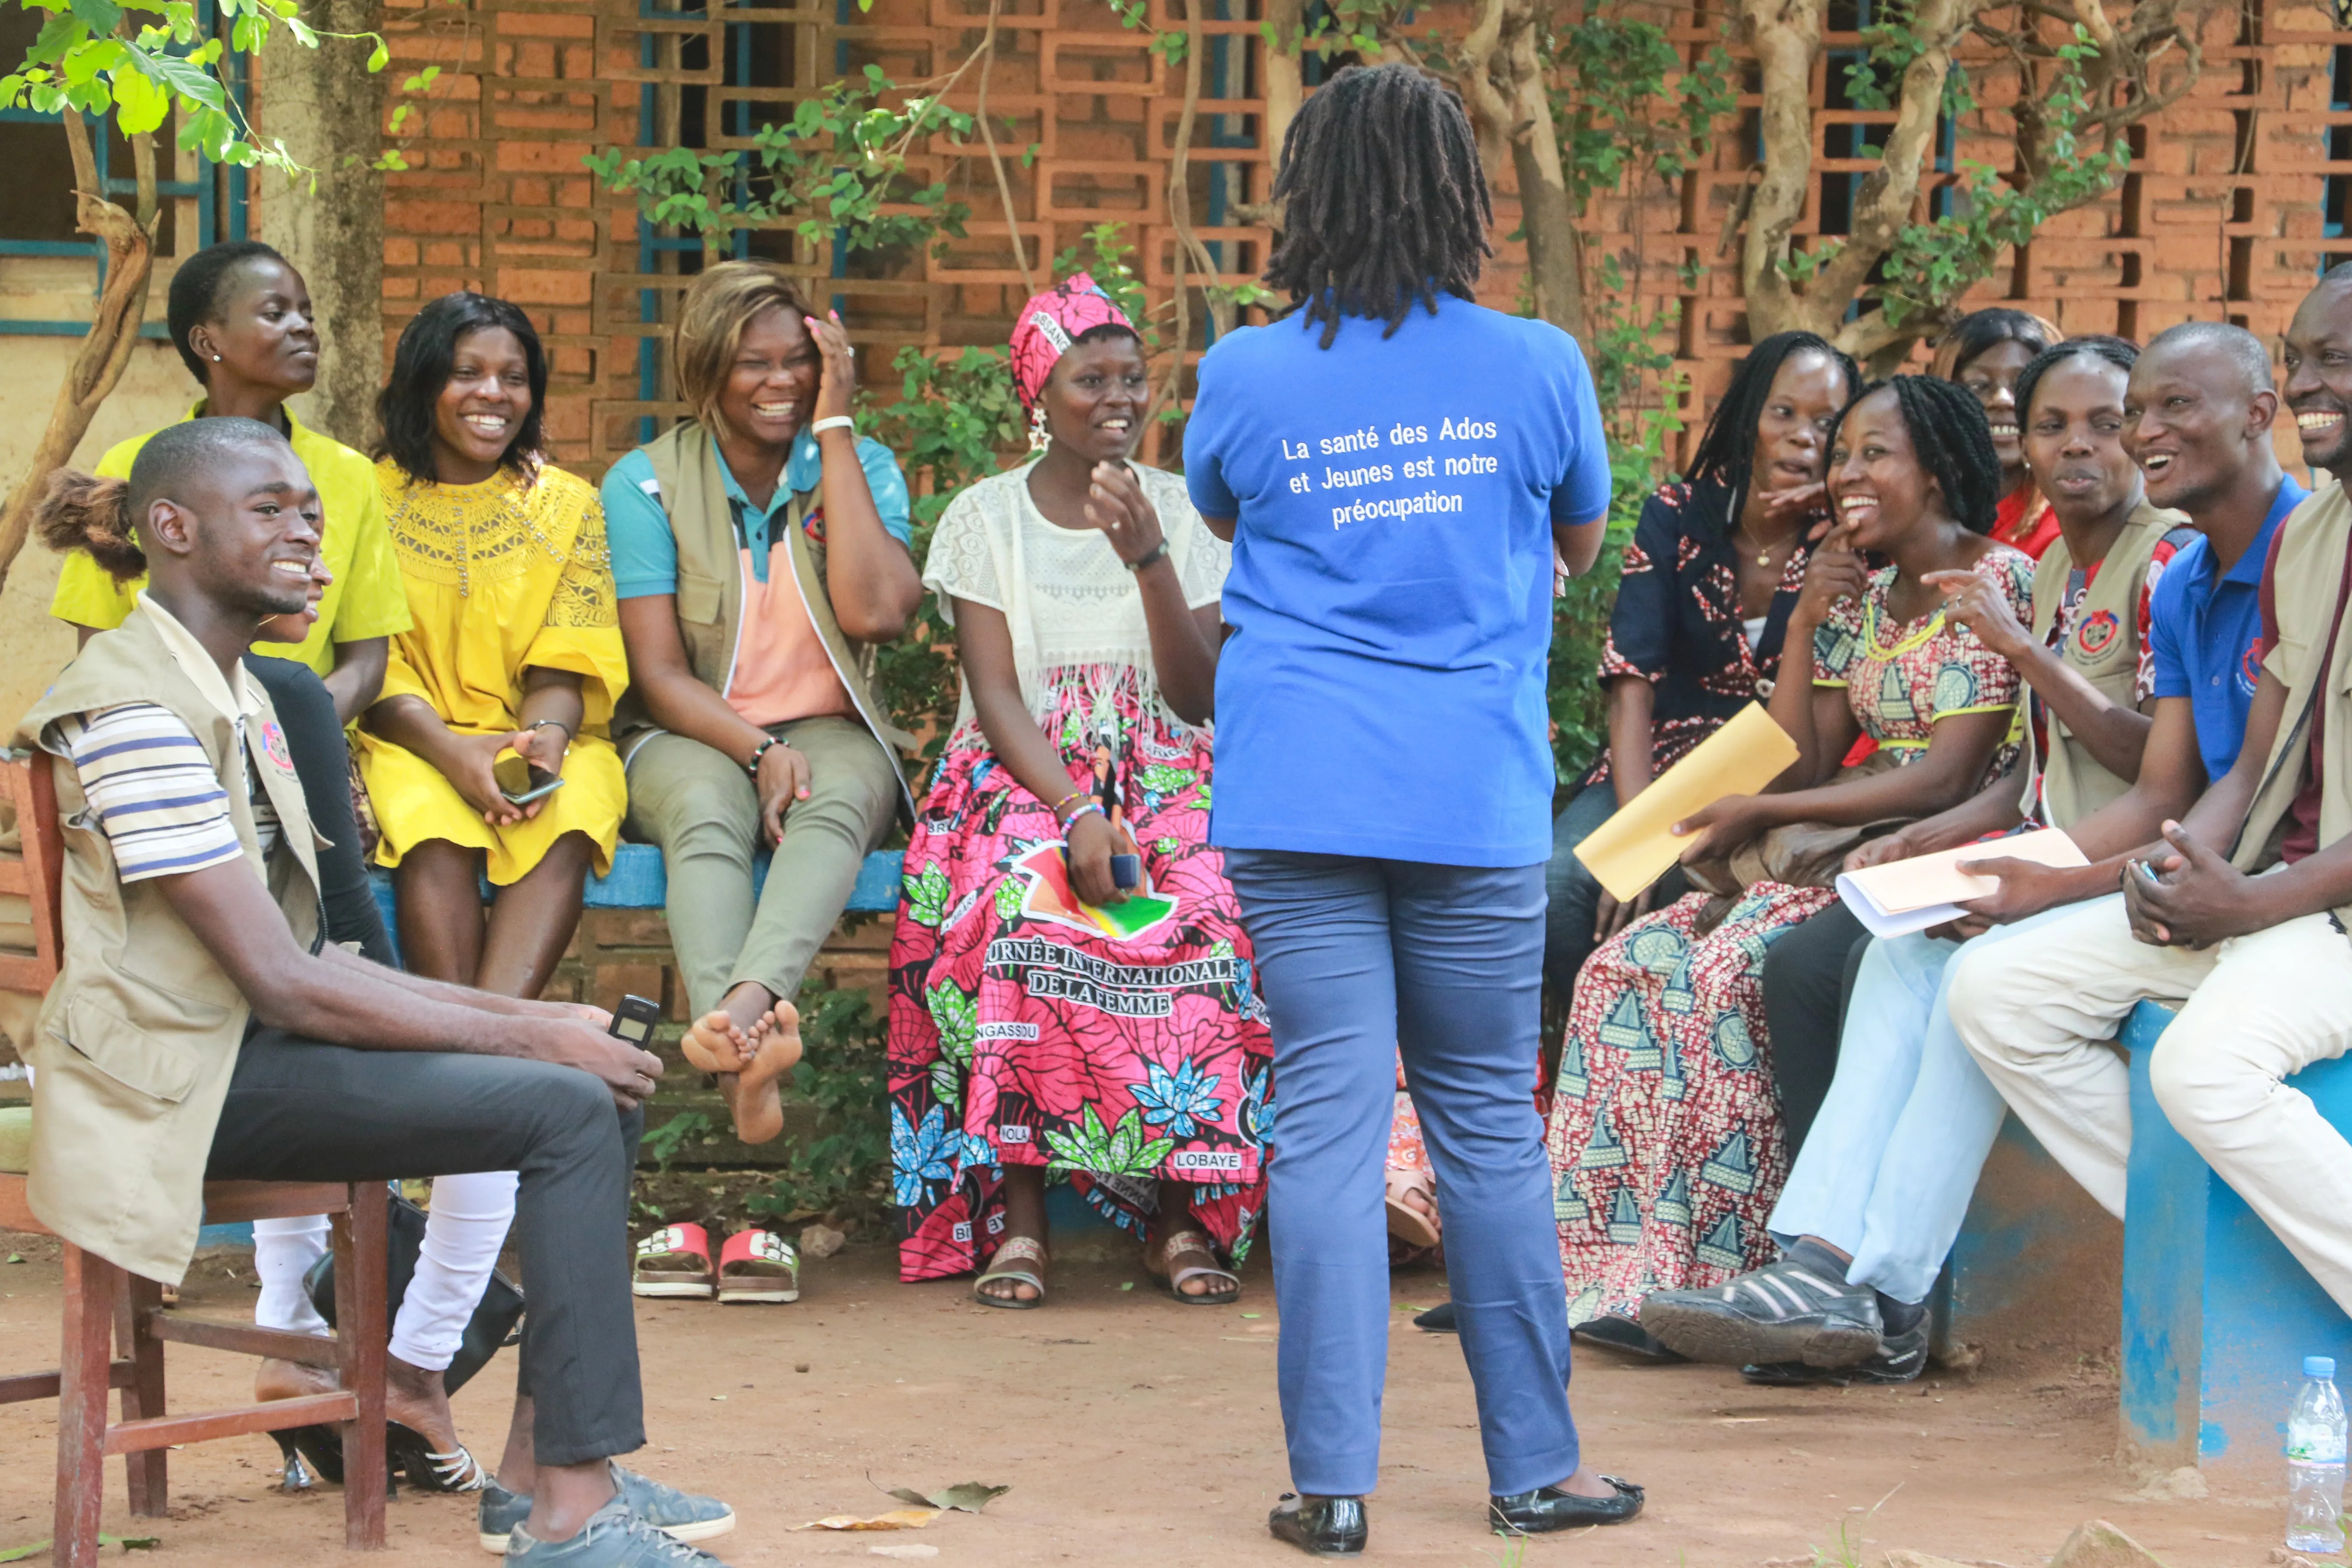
<point x="501" y="576"/>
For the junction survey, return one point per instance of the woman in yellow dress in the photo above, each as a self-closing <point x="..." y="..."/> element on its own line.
<point x="516" y="649"/>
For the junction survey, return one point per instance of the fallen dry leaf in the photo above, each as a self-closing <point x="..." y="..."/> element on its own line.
<point x="896" y="1518"/>
<point x="969" y="1497"/>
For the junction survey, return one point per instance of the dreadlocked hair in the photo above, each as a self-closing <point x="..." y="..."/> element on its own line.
<point x="2121" y="353"/>
<point x="1951" y="440"/>
<point x="1383" y="200"/>
<point x="1726" y="451"/>
<point x="81" y="512"/>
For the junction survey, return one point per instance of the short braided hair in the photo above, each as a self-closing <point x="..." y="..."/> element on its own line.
<point x="1382" y="198"/>
<point x="2121" y="353"/>
<point x="1726" y="452"/>
<point x="1951" y="439"/>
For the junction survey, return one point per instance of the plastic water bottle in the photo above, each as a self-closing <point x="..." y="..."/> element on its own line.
<point x="2315" y="1461"/>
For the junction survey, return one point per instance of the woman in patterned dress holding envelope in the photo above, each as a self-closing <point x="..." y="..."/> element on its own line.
<point x="1665" y="1136"/>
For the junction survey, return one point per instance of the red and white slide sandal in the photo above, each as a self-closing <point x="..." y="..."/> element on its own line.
<point x="759" y="1266"/>
<point x="674" y="1261"/>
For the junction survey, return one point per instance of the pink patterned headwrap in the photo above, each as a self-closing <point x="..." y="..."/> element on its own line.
<point x="1050" y="323"/>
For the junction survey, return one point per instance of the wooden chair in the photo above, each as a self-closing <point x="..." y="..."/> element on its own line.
<point x="102" y="1301"/>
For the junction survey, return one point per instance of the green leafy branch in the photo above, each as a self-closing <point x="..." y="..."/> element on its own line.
<point x="1931" y="264"/>
<point x="100" y="58"/>
<point x="837" y="166"/>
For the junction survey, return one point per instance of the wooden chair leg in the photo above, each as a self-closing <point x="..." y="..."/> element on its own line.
<point x="362" y="1243"/>
<point x="142" y="1397"/>
<point x="84" y="1362"/>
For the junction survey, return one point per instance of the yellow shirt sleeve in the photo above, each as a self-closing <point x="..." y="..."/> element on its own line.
<point x="375" y="600"/>
<point x="85" y="595"/>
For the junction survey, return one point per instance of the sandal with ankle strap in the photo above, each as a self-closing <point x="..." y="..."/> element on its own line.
<point x="1175" y="1280"/>
<point x="1014" y="1249"/>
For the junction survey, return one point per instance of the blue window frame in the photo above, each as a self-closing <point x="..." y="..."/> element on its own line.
<point x="219" y="193"/>
<point x="2336" y="197"/>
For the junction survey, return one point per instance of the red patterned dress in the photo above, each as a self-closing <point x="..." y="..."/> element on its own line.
<point x="1021" y="1030"/>
<point x="1664" y="1135"/>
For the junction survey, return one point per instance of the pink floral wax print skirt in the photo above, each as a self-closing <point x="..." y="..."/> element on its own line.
<point x="1117" y="1051"/>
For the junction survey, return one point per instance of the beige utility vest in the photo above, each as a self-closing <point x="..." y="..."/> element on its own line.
<point x="138" y="1035"/>
<point x="2303" y="586"/>
<point x="2103" y="646"/>
<point x="693" y="486"/>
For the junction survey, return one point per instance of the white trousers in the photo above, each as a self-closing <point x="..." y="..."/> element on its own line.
<point x="464" y="1230"/>
<point x="2037" y="1017"/>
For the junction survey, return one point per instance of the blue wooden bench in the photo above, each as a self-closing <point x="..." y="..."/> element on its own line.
<point x="637" y="883"/>
<point x="2216" y="1314"/>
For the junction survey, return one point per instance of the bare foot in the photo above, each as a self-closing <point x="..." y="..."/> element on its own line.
<point x="276" y="1379"/>
<point x="757" y="1098"/>
<point x="726" y="1039"/>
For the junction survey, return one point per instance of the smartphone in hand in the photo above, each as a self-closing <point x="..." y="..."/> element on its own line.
<point x="520" y="783"/>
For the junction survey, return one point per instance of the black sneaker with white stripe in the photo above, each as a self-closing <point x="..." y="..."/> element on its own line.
<point x="1797" y="1310"/>
<point x="1901" y="1358"/>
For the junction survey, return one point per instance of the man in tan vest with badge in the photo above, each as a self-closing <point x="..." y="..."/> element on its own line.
<point x="2237" y="917"/>
<point x="201" y="1028"/>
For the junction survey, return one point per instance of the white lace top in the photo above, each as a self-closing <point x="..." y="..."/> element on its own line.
<point x="1074" y="610"/>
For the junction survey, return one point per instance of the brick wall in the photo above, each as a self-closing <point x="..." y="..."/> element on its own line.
<point x="2221" y="215"/>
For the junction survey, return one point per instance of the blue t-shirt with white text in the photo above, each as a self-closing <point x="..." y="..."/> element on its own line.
<point x="1390" y="597"/>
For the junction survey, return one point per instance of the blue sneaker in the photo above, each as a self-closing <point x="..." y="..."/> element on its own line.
<point x="613" y="1538"/>
<point x="681" y="1516"/>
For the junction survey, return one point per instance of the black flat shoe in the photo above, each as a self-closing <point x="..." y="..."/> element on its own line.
<point x="1438" y="1319"/>
<point x="1549" y="1509"/>
<point x="1621" y="1334"/>
<point x="1321" y="1526"/>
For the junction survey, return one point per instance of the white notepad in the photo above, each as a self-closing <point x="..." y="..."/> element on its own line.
<point x="1905" y="896"/>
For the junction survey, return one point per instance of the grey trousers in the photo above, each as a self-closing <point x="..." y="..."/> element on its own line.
<point x="299" y="1110"/>
<point x="698" y="805"/>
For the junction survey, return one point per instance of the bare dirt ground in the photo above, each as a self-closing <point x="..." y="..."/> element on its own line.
<point x="1132" y="1430"/>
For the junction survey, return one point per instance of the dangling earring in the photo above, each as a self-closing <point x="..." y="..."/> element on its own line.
<point x="1038" y="439"/>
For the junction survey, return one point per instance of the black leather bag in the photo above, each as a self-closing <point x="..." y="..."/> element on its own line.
<point x="497" y="1320"/>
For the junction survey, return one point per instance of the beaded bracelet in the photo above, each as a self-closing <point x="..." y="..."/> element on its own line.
<point x="1094" y="806"/>
<point x="1073" y="795"/>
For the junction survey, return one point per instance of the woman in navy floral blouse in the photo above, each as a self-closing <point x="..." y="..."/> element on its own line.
<point x="1713" y="568"/>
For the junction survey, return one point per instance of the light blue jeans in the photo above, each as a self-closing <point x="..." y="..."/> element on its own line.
<point x="1892" y="1161"/>
<point x="1359" y="959"/>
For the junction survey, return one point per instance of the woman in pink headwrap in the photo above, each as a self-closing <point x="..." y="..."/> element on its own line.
<point x="1070" y="988"/>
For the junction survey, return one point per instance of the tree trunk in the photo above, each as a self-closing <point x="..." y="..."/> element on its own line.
<point x="98" y="364"/>
<point x="1503" y="86"/>
<point x="329" y="108"/>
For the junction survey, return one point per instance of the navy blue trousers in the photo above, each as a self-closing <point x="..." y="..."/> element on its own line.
<point x="1357" y="958"/>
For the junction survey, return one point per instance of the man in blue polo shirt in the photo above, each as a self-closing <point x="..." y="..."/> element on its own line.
<point x="2198" y="415"/>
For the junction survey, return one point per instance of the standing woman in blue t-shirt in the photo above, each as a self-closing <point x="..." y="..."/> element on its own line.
<point x="1395" y="466"/>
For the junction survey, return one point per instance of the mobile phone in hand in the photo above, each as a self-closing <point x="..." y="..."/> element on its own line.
<point x="634" y="1021"/>
<point x="515" y="778"/>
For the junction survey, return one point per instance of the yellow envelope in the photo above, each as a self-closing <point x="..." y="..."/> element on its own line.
<point x="1634" y="849"/>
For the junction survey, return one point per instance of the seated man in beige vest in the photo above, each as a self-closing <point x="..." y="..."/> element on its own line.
<point x="240" y="1046"/>
<point x="2237" y="917"/>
